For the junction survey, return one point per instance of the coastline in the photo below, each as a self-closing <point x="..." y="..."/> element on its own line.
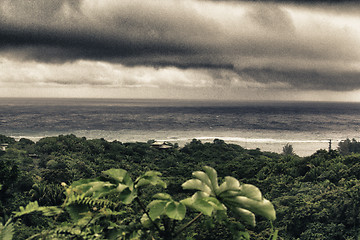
<point x="303" y="145"/>
<point x="307" y="126"/>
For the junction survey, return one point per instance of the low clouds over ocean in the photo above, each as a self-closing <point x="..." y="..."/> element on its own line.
<point x="172" y="44"/>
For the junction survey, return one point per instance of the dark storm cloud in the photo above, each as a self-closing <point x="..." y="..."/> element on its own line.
<point x="308" y="80"/>
<point x="246" y="39"/>
<point x="130" y="34"/>
<point x="54" y="46"/>
<point x="63" y="31"/>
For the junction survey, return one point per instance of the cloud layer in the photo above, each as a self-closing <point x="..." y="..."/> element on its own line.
<point x="188" y="43"/>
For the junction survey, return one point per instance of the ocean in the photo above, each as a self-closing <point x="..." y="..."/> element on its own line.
<point x="307" y="126"/>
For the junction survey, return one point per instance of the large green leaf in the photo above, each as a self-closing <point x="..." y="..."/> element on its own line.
<point x="263" y="208"/>
<point x="162" y="196"/>
<point x="217" y="205"/>
<point x="245" y="215"/>
<point x="202" y="177"/>
<point x="92" y="187"/>
<point x="196" y="184"/>
<point x="229" y="194"/>
<point x="119" y="176"/>
<point x="251" y="191"/>
<point x="175" y="210"/>
<point x="203" y="203"/>
<point x="156" y="208"/>
<point x="125" y="194"/>
<point x="199" y="205"/>
<point x="212" y="174"/>
<point x="150" y="178"/>
<point x="229" y="184"/>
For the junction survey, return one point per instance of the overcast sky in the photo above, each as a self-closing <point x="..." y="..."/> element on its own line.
<point x="234" y="50"/>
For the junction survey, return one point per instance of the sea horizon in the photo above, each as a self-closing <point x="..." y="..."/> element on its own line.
<point x="213" y="100"/>
<point x="308" y="126"/>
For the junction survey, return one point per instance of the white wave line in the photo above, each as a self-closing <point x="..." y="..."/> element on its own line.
<point x="249" y="140"/>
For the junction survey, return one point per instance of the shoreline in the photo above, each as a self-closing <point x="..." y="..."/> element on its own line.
<point x="301" y="147"/>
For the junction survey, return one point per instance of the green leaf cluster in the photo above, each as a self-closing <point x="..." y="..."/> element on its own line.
<point x="93" y="215"/>
<point x="244" y="200"/>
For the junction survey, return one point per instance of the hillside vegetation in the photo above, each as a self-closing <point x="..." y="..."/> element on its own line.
<point x="315" y="197"/>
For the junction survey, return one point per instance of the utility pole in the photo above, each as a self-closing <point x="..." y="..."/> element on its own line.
<point x="329" y="145"/>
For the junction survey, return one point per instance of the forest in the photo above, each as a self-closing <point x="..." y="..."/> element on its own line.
<point x="67" y="187"/>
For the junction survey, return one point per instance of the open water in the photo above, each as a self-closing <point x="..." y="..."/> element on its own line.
<point x="308" y="126"/>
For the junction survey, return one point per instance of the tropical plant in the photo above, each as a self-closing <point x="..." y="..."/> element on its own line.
<point x="288" y="150"/>
<point x="99" y="208"/>
<point x="243" y="200"/>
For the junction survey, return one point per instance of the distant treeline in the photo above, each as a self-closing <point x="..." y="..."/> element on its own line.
<point x="315" y="197"/>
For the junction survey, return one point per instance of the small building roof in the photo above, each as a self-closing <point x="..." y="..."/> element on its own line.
<point x="157" y="143"/>
<point x="162" y="145"/>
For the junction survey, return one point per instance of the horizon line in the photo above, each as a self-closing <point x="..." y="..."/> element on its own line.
<point x="184" y="99"/>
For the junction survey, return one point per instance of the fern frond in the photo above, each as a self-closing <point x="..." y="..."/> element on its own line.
<point x="7" y="230"/>
<point x="94" y="202"/>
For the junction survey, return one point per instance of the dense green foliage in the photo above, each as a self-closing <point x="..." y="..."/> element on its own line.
<point x="349" y="146"/>
<point x="315" y="197"/>
<point x="96" y="207"/>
